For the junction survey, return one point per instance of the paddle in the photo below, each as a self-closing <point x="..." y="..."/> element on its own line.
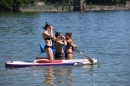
<point x="80" y="52"/>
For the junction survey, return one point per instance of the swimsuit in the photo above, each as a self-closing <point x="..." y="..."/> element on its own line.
<point x="47" y="39"/>
<point x="69" y="45"/>
<point x="68" y="53"/>
<point x="46" y="46"/>
<point x="58" y="55"/>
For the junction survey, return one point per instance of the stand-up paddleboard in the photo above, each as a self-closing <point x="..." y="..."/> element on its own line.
<point x="53" y="63"/>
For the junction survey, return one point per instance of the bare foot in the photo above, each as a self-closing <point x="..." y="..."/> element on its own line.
<point x="35" y="61"/>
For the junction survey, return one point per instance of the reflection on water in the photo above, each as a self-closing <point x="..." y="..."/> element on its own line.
<point x="49" y="77"/>
<point x="63" y="75"/>
<point x="58" y="75"/>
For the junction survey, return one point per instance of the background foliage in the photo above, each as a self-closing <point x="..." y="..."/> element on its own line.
<point x="13" y="5"/>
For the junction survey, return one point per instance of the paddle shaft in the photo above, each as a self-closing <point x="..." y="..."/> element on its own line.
<point x="80" y="52"/>
<point x="84" y="55"/>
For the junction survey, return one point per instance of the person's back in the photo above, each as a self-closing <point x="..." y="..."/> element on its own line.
<point x="58" y="47"/>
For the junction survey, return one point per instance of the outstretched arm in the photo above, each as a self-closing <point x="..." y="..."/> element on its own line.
<point x="73" y="44"/>
<point x="51" y="32"/>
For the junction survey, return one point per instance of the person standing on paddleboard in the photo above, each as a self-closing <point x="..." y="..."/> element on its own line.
<point x="48" y="37"/>
<point x="59" y="43"/>
<point x="69" y="54"/>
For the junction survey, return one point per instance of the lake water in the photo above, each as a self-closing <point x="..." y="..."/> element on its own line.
<point x="104" y="35"/>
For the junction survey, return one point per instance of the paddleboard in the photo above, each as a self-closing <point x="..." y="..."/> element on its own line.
<point x="53" y="63"/>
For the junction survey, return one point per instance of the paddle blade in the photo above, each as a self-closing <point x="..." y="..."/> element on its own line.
<point x="87" y="57"/>
<point x="91" y="60"/>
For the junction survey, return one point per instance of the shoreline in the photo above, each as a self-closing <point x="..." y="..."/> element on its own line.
<point x="88" y="8"/>
<point x="106" y="8"/>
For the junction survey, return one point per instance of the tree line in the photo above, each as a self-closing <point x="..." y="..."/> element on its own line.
<point x="14" y="5"/>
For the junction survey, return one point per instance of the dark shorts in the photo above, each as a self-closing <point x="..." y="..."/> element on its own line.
<point x="58" y="55"/>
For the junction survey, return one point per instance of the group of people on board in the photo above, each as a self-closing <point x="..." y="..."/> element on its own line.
<point x="59" y="40"/>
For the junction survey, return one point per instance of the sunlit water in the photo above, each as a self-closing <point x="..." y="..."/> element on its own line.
<point x="104" y="35"/>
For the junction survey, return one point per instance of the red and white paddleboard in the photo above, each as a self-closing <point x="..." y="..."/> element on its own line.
<point x="53" y="63"/>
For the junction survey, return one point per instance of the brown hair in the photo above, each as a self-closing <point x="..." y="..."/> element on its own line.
<point x="46" y="26"/>
<point x="69" y="34"/>
<point x="57" y="34"/>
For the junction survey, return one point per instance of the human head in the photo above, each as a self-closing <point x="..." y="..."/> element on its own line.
<point x="57" y="34"/>
<point x="68" y="35"/>
<point x="47" y="26"/>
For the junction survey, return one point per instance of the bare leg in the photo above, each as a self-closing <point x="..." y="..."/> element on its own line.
<point x="49" y="56"/>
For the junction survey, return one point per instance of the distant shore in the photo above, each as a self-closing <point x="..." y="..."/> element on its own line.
<point x="98" y="8"/>
<point x="66" y="8"/>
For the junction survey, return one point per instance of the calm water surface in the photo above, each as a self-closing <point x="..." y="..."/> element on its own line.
<point x="104" y="35"/>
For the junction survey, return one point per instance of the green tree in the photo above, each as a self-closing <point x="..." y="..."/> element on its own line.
<point x="6" y="5"/>
<point x="13" y="5"/>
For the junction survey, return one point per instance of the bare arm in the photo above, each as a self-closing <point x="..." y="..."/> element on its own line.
<point x="45" y="35"/>
<point x="73" y="44"/>
<point x="63" y="43"/>
<point x="51" y="32"/>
